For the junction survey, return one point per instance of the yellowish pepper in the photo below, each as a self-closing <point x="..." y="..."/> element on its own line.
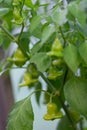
<point x="27" y="80"/>
<point x="52" y="112"/>
<point x="19" y="58"/>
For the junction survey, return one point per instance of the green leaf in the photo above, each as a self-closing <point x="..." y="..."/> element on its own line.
<point x="6" y="42"/>
<point x="1" y="39"/>
<point x="83" y="51"/>
<point x="3" y="11"/>
<point x="1" y="1"/>
<point x="36" y="48"/>
<point x="41" y="60"/>
<point x="34" y="23"/>
<point x="29" y="3"/>
<point x="38" y="86"/>
<point x="2" y="71"/>
<point x="83" y="31"/>
<point x="47" y="32"/>
<point x="75" y="91"/>
<point x="21" y="116"/>
<point x="24" y="41"/>
<point x="64" y="124"/>
<point x="76" y="9"/>
<point x="59" y="16"/>
<point x="85" y="128"/>
<point x="71" y="57"/>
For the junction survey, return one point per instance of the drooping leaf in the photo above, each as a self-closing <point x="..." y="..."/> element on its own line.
<point x="41" y="60"/>
<point x="21" y="116"/>
<point x="3" y="11"/>
<point x="24" y="41"/>
<point x="75" y="91"/>
<point x="71" y="57"/>
<point x="38" y="86"/>
<point x="83" y="51"/>
<point x="64" y="124"/>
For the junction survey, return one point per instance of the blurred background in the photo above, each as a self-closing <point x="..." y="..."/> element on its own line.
<point x="11" y="93"/>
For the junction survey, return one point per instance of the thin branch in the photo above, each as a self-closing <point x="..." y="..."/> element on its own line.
<point x="14" y="39"/>
<point x="60" y="99"/>
<point x="67" y="113"/>
<point x="47" y="81"/>
<point x="8" y="34"/>
<point x="21" y="32"/>
<point x="22" y="22"/>
<point x="62" y="35"/>
<point x="64" y="79"/>
<point x="22" y="6"/>
<point x="39" y="90"/>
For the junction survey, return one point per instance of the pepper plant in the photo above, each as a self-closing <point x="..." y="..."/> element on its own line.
<point x="51" y="40"/>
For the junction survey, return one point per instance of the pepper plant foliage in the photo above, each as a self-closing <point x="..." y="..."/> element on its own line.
<point x="51" y="39"/>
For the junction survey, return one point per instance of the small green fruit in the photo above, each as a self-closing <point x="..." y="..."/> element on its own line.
<point x="28" y="80"/>
<point x="19" y="58"/>
<point x="52" y="112"/>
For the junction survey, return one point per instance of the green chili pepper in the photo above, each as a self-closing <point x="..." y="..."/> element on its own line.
<point x="19" y="58"/>
<point x="52" y="112"/>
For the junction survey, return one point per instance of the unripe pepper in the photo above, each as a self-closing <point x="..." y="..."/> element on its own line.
<point x="56" y="49"/>
<point x="57" y="46"/>
<point x="19" y="58"/>
<point x="27" y="80"/>
<point x="16" y="15"/>
<point x="53" y="73"/>
<point x="33" y="70"/>
<point x="52" y="112"/>
<point x="15" y="3"/>
<point x="57" y="62"/>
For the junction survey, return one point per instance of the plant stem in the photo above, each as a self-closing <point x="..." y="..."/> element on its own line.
<point x="64" y="79"/>
<point x="14" y="39"/>
<point x="21" y="32"/>
<point x="67" y="113"/>
<point x="39" y="90"/>
<point x="62" y="35"/>
<point x="22" y="6"/>
<point x="60" y="99"/>
<point x="47" y="81"/>
<point x="9" y="34"/>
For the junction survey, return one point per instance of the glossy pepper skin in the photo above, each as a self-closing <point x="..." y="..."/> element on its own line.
<point x="56" y="49"/>
<point x="53" y="73"/>
<point x="19" y="58"/>
<point x="52" y="112"/>
<point x="58" y="62"/>
<point x="33" y="70"/>
<point x="28" y="80"/>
